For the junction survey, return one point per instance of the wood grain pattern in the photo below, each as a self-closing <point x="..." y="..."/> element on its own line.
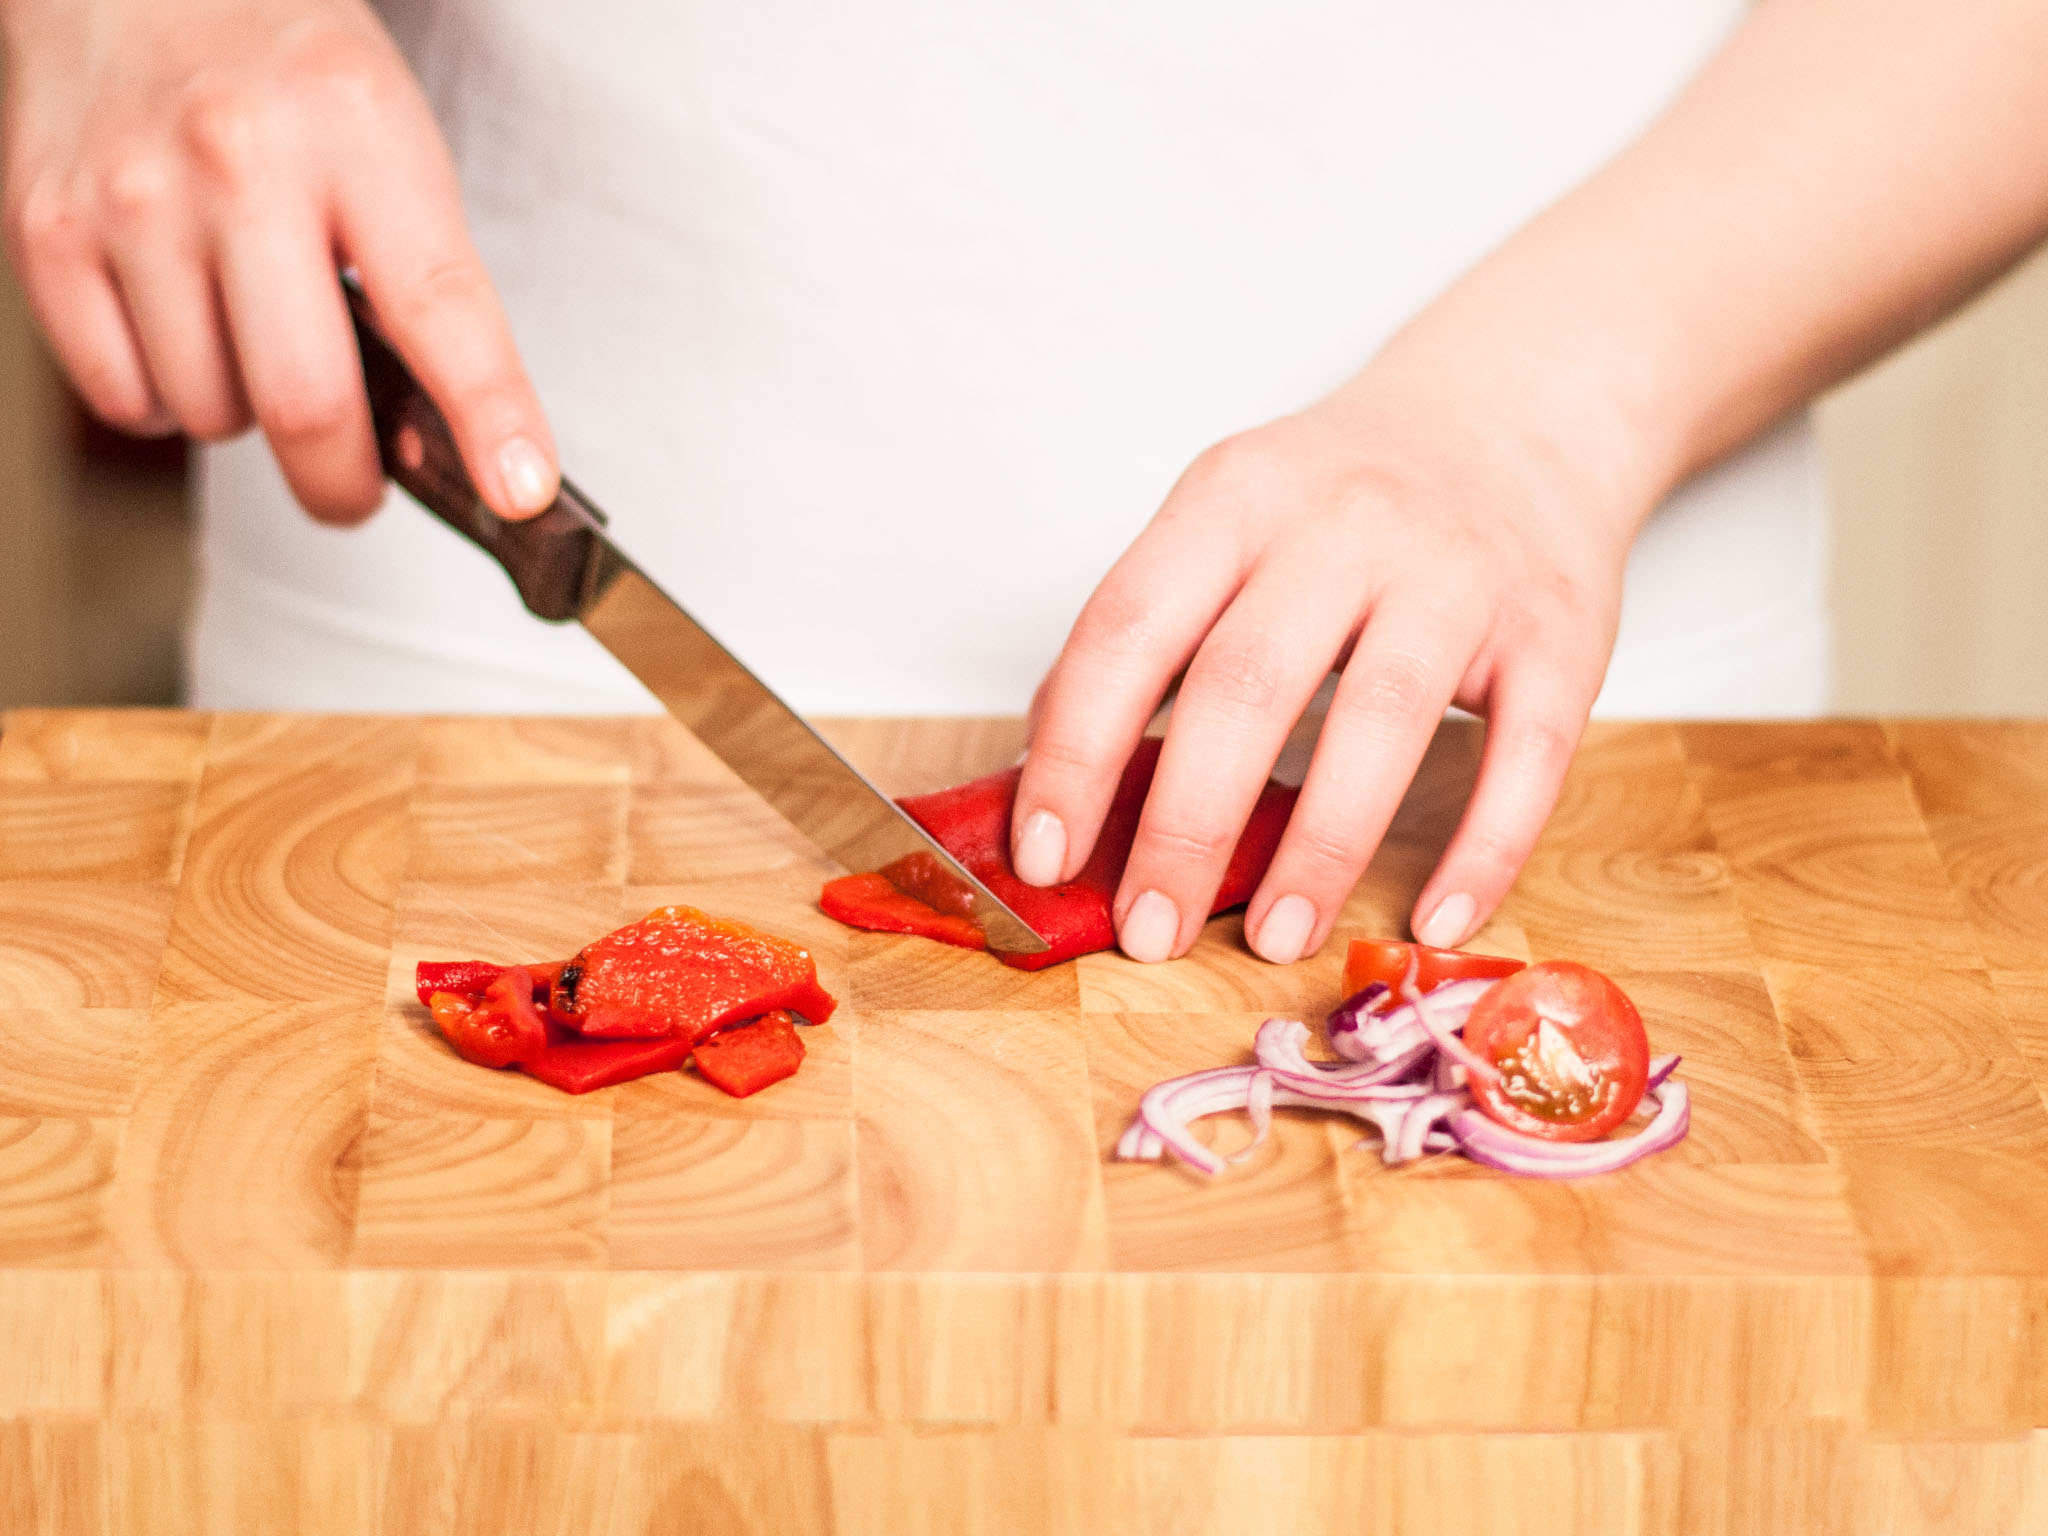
<point x="271" y="1259"/>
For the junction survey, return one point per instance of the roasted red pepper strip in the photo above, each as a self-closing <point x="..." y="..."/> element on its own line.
<point x="464" y="978"/>
<point x="972" y="822"/>
<point x="876" y="902"/>
<point x="578" y="1066"/>
<point x="748" y="1057"/>
<point x="680" y="972"/>
<point x="503" y="1028"/>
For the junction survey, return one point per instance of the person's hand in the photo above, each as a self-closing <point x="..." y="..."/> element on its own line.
<point x="184" y="180"/>
<point x="1435" y="559"/>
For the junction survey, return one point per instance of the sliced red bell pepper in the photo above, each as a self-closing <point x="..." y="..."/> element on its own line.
<point x="502" y="1028"/>
<point x="464" y="978"/>
<point x="578" y="1066"/>
<point x="469" y="978"/>
<point x="876" y="902"/>
<point x="748" y="1057"/>
<point x="972" y="822"/>
<point x="679" y="971"/>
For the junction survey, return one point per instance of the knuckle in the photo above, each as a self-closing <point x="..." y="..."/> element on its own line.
<point x="307" y="409"/>
<point x="1177" y="838"/>
<point x="1063" y="757"/>
<point x="1242" y="677"/>
<point x="44" y="221"/>
<point x="216" y="420"/>
<point x="137" y="186"/>
<point x="1233" y="466"/>
<point x="337" y="68"/>
<point x="1327" y="848"/>
<point x="455" y="281"/>
<point x="223" y="132"/>
<point x="1540" y="747"/>
<point x="1399" y="688"/>
<point x="1117" y="625"/>
<point x="1497" y="848"/>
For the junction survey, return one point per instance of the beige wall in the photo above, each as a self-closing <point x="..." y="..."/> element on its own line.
<point x="1939" y="461"/>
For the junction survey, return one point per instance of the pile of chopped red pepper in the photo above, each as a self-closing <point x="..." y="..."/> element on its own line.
<point x="647" y="998"/>
<point x="972" y="823"/>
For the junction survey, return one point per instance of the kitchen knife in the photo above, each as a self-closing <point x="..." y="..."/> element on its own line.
<point x="566" y="567"/>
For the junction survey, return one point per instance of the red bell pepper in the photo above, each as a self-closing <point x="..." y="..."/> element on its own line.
<point x="972" y="822"/>
<point x="501" y="1028"/>
<point x="748" y="1057"/>
<point x="877" y="902"/>
<point x="679" y="971"/>
<point x="636" y="1001"/>
<point x="578" y="1066"/>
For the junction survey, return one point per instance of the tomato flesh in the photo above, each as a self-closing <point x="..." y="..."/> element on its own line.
<point x="1386" y="961"/>
<point x="1570" y="1047"/>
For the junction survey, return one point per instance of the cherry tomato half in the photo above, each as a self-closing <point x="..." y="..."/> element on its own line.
<point x="501" y="1029"/>
<point x="1573" y="1058"/>
<point x="1386" y="960"/>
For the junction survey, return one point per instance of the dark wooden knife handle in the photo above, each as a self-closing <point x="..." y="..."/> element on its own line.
<point x="550" y="558"/>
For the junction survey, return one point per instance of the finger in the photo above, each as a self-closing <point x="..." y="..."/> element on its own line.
<point x="169" y="291"/>
<point x="1244" y="690"/>
<point x="400" y="220"/>
<point x="1394" y="690"/>
<point x="297" y="354"/>
<point x="72" y="292"/>
<point x="1535" y="717"/>
<point x="1134" y="635"/>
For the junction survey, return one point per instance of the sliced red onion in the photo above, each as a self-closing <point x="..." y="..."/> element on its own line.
<point x="1446" y="1039"/>
<point x="1424" y="1115"/>
<point x="1281" y="1048"/>
<point x="1167" y="1110"/>
<point x="1376" y="1036"/>
<point x="1405" y="1075"/>
<point x="1487" y="1141"/>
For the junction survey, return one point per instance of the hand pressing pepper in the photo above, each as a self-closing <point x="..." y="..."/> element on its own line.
<point x="972" y="822"/>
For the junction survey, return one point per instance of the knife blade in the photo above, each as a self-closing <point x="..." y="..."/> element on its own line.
<point x="566" y="567"/>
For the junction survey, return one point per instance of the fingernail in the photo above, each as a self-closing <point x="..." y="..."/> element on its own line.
<point x="1450" y="924"/>
<point x="1150" y="928"/>
<point x="1041" y="851"/>
<point x="528" y="486"/>
<point x="1283" y="936"/>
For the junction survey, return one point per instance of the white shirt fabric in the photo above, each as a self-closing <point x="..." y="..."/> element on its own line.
<point x="881" y="330"/>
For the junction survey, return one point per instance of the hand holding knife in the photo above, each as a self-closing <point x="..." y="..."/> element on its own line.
<point x="566" y="567"/>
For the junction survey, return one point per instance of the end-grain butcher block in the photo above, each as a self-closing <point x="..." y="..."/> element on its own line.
<point x="273" y="1259"/>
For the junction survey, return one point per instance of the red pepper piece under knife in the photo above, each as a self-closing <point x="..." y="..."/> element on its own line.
<point x="972" y="822"/>
<point x="748" y="1057"/>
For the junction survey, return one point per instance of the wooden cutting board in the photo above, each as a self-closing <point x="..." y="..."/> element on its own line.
<point x="272" y="1259"/>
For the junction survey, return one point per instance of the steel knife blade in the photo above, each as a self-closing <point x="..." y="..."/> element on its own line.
<point x="566" y="567"/>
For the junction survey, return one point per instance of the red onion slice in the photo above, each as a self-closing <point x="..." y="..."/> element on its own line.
<point x="1374" y="1037"/>
<point x="1404" y="1075"/>
<point x="1446" y="1039"/>
<point x="1282" y="1048"/>
<point x="1487" y="1141"/>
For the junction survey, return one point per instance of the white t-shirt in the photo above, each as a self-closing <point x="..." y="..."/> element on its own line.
<point x="881" y="330"/>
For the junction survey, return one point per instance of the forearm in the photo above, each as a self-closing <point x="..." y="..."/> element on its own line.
<point x="1842" y="174"/>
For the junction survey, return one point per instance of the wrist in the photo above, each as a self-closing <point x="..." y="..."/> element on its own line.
<point x="1554" y="414"/>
